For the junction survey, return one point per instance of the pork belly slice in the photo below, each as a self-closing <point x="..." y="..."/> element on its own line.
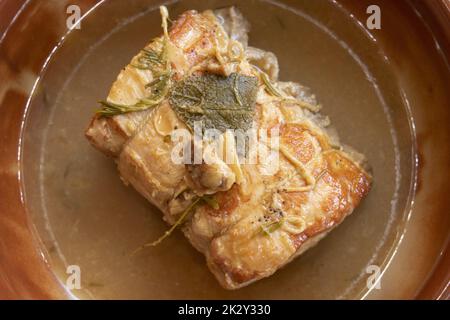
<point x="146" y="163"/>
<point x="244" y="254"/>
<point x="193" y="33"/>
<point x="237" y="249"/>
<point x="262" y="221"/>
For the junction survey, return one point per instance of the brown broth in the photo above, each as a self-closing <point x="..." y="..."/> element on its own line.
<point x="86" y="216"/>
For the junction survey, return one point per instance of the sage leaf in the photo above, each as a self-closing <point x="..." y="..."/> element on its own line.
<point x="216" y="101"/>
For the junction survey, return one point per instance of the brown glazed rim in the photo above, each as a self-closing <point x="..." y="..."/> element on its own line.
<point x="438" y="284"/>
<point x="24" y="271"/>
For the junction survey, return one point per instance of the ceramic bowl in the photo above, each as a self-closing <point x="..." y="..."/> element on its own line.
<point x="402" y="123"/>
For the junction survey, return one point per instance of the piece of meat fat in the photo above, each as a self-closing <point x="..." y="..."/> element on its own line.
<point x="234" y="24"/>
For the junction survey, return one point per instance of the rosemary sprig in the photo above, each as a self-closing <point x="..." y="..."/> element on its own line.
<point x="209" y="200"/>
<point x="180" y="220"/>
<point x="149" y="59"/>
<point x="271" y="89"/>
<point x="110" y="109"/>
<point x="159" y="87"/>
<point x="160" y="66"/>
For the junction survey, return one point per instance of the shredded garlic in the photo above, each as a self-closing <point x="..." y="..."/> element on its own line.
<point x="230" y="150"/>
<point x="293" y="224"/>
<point x="309" y="178"/>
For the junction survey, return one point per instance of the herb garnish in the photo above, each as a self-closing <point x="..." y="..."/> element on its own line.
<point x="218" y="102"/>
<point x="269" y="86"/>
<point x="211" y="201"/>
<point x="274" y="91"/>
<point x="208" y="199"/>
<point x="149" y="59"/>
<point x="159" y="90"/>
<point x="158" y="63"/>
<point x="270" y="227"/>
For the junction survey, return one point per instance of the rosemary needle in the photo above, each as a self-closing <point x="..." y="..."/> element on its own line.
<point x="269" y="86"/>
<point x="271" y="89"/>
<point x="174" y="226"/>
<point x="159" y="65"/>
<point x="271" y="227"/>
<point x="209" y="200"/>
